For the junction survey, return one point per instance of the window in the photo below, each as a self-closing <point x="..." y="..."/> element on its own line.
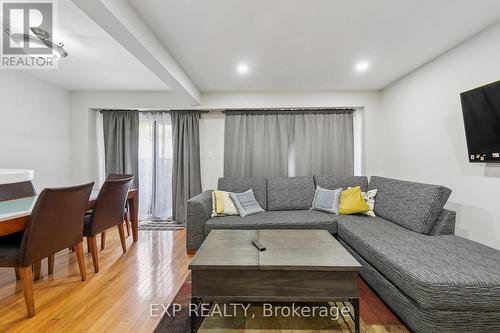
<point x="274" y="143"/>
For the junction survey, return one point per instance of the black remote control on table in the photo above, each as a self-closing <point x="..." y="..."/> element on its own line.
<point x="258" y="245"/>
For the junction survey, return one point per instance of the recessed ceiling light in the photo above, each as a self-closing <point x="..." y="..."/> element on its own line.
<point x="242" y="68"/>
<point x="362" y="66"/>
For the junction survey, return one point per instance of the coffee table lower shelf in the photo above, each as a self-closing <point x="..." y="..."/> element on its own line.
<point x="278" y="286"/>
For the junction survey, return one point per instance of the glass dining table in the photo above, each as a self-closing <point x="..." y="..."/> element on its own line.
<point x="15" y="214"/>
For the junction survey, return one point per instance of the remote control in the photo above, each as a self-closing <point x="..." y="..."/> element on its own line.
<point x="258" y="245"/>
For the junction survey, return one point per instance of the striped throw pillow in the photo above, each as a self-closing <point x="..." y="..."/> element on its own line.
<point x="246" y="203"/>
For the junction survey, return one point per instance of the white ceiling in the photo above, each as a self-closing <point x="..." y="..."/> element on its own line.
<point x="293" y="45"/>
<point x="289" y="45"/>
<point x="95" y="61"/>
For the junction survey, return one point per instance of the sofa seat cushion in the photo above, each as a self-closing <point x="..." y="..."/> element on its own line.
<point x="297" y="219"/>
<point x="415" y="206"/>
<point x="437" y="272"/>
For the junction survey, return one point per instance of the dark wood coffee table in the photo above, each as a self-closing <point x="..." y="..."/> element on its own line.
<point x="297" y="266"/>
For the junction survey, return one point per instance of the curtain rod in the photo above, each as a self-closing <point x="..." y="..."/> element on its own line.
<point x="149" y="110"/>
<point x="315" y="110"/>
<point x="207" y="110"/>
<point x="292" y="109"/>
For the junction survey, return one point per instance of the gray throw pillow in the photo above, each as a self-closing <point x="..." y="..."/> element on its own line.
<point x="246" y="203"/>
<point x="326" y="200"/>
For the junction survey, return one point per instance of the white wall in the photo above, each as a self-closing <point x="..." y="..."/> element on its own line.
<point x="211" y="149"/>
<point x="423" y="139"/>
<point x="34" y="131"/>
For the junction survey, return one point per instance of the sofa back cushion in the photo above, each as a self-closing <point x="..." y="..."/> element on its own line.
<point x="290" y="193"/>
<point x="242" y="184"/>
<point x="415" y="206"/>
<point x="335" y="182"/>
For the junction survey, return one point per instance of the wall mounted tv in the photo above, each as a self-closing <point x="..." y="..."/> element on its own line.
<point x="481" y="111"/>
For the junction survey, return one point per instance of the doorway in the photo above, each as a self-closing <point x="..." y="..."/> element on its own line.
<point x="155" y="166"/>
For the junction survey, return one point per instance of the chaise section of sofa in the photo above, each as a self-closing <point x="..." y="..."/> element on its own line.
<point x="420" y="319"/>
<point x="437" y="272"/>
<point x="435" y="281"/>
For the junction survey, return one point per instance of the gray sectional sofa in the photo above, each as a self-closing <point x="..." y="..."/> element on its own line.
<point x="433" y="280"/>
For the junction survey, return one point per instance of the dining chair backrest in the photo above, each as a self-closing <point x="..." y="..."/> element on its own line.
<point x="110" y="204"/>
<point x="16" y="191"/>
<point x="56" y="222"/>
<point x="115" y="176"/>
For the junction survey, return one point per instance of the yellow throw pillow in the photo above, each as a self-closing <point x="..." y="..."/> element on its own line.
<point x="352" y="202"/>
<point x="222" y="204"/>
<point x="370" y="201"/>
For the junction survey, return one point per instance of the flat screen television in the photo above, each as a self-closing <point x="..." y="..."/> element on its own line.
<point x="481" y="111"/>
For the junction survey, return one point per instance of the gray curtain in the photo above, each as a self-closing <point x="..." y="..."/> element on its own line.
<point x="186" y="173"/>
<point x="121" y="143"/>
<point x="322" y="143"/>
<point x="256" y="144"/>
<point x="288" y="143"/>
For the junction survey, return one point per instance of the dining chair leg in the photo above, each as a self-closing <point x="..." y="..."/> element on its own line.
<point x="18" y="276"/>
<point x="93" y="249"/>
<point x="50" y="263"/>
<point x="127" y="223"/>
<point x="88" y="245"/>
<point x="122" y="237"/>
<point x="81" y="260"/>
<point x="27" y="284"/>
<point x="37" y="267"/>
<point x="103" y="240"/>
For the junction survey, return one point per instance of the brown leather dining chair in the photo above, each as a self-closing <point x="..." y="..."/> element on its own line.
<point x="107" y="213"/>
<point x="56" y="222"/>
<point x="115" y="176"/>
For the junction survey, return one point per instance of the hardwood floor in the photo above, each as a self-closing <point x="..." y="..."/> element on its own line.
<point x="118" y="298"/>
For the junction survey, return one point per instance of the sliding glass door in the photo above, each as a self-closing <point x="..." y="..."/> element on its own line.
<point x="155" y="166"/>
